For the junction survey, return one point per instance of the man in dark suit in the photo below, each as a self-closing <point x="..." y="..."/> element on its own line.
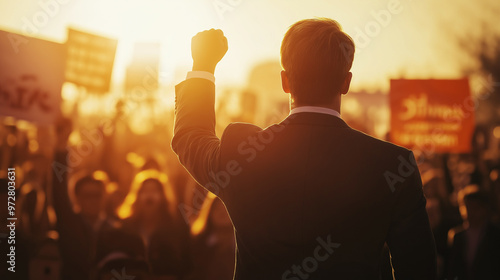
<point x="310" y="197"/>
<point x="475" y="253"/>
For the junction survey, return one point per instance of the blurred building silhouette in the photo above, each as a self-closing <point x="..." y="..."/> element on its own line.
<point x="142" y="73"/>
<point x="272" y="103"/>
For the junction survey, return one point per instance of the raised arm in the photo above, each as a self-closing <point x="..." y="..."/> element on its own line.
<point x="60" y="196"/>
<point x="195" y="141"/>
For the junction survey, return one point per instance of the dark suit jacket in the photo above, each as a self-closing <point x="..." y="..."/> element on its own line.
<point x="310" y="197"/>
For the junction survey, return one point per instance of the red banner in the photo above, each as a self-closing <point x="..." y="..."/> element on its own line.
<point x="432" y="115"/>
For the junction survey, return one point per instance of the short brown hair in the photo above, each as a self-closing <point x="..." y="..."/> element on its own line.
<point x="317" y="55"/>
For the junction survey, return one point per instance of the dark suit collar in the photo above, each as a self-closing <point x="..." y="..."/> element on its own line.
<point x="311" y="118"/>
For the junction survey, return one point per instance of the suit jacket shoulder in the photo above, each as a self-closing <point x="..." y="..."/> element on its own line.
<point x="237" y="132"/>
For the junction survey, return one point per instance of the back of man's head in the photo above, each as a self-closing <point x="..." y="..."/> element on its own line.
<point x="317" y="56"/>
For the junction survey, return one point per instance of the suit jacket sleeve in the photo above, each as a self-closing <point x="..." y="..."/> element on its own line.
<point x="410" y="238"/>
<point x="194" y="140"/>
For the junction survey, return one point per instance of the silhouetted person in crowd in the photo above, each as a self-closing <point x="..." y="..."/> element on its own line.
<point x="475" y="253"/>
<point x="123" y="267"/>
<point x="120" y="255"/>
<point x="495" y="189"/>
<point x="21" y="254"/>
<point x="78" y="230"/>
<point x="148" y="215"/>
<point x="310" y="197"/>
<point x="31" y="203"/>
<point x="440" y="231"/>
<point x="213" y="239"/>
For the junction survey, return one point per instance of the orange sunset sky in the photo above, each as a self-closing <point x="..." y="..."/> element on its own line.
<point x="418" y="40"/>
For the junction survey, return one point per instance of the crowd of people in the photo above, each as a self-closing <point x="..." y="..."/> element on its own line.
<point x="139" y="215"/>
<point x="132" y="221"/>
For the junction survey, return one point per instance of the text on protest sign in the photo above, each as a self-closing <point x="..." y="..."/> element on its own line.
<point x="90" y="60"/>
<point x="432" y="115"/>
<point x="31" y="77"/>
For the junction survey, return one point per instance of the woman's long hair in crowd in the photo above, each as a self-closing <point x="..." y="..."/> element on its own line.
<point x="130" y="207"/>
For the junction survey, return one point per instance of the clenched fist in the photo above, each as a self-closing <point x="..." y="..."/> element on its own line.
<point x="207" y="49"/>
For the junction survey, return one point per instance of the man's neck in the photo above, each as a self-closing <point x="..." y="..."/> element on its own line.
<point x="334" y="106"/>
<point x="315" y="109"/>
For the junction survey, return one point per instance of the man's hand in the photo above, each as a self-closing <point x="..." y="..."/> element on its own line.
<point x="207" y="49"/>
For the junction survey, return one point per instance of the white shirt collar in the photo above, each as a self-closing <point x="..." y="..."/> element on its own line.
<point x="315" y="109"/>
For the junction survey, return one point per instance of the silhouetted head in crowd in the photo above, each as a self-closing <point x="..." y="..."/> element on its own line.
<point x="148" y="198"/>
<point x="36" y="168"/>
<point x="116" y="242"/>
<point x="89" y="194"/>
<point x="316" y="56"/>
<point x="477" y="206"/>
<point x="151" y="163"/>
<point x="120" y="266"/>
